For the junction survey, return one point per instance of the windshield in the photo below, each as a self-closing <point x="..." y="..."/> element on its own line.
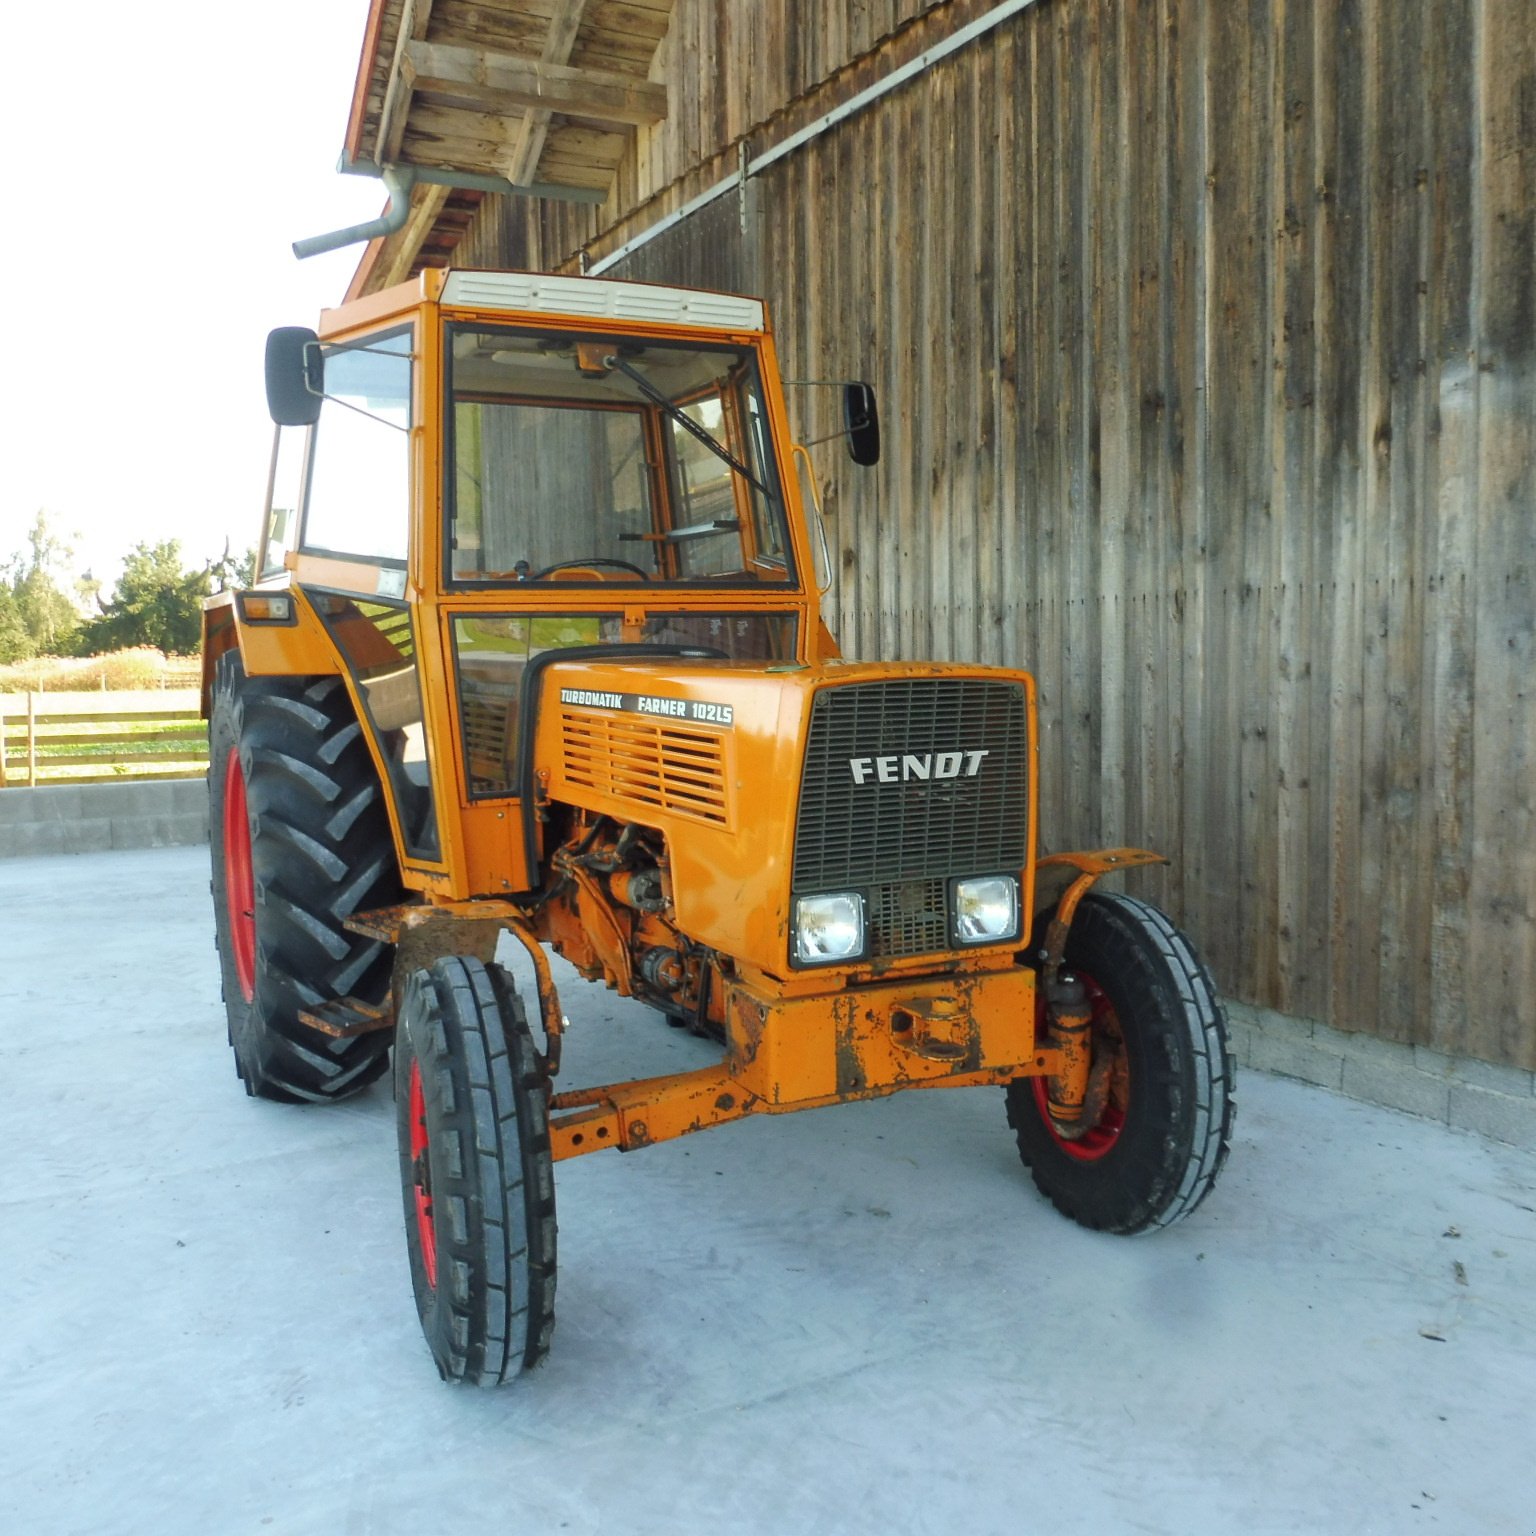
<point x="579" y="459"/>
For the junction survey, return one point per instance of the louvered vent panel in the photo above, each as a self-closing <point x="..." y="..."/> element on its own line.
<point x="899" y="842"/>
<point x="666" y="766"/>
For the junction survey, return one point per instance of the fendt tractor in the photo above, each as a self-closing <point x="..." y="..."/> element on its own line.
<point x="536" y="650"/>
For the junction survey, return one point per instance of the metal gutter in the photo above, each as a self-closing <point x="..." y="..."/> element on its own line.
<point x="839" y="114"/>
<point x="400" y="179"/>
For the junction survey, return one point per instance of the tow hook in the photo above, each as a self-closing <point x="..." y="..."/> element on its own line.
<point x="1077" y="1093"/>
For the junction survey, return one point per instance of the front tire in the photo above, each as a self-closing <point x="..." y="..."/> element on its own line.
<point x="1166" y="1126"/>
<point x="299" y="841"/>
<point x="476" y="1171"/>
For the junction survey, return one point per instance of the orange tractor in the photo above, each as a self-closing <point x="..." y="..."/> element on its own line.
<point x="535" y="649"/>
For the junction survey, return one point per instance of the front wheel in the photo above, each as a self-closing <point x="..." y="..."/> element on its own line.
<point x="1166" y="1125"/>
<point x="476" y="1171"/>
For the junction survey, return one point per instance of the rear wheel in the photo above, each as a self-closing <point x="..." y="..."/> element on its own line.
<point x="476" y="1172"/>
<point x="300" y="841"/>
<point x="1162" y="1136"/>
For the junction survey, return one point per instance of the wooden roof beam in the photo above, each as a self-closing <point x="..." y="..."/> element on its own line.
<point x="479" y="78"/>
<point x="397" y="94"/>
<point x="528" y="144"/>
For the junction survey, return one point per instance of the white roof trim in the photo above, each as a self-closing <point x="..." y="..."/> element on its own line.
<point x="599" y="299"/>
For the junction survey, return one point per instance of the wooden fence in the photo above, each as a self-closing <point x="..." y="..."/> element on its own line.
<point x="62" y="739"/>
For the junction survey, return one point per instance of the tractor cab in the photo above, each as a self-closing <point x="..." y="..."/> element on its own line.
<point x="477" y="469"/>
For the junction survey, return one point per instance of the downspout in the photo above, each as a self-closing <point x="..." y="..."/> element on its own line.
<point x="398" y="181"/>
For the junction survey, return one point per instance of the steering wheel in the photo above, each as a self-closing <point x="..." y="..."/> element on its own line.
<point x="593" y="560"/>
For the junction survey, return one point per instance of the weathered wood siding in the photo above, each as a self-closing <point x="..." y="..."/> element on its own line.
<point x="1205" y="336"/>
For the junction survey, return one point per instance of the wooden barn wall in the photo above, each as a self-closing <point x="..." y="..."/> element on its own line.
<point x="1205" y="335"/>
<point x="732" y="68"/>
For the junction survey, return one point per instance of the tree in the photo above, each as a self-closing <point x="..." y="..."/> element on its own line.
<point x="156" y="602"/>
<point x="230" y="571"/>
<point x="35" y="615"/>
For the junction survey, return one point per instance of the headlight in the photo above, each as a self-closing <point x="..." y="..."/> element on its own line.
<point x="829" y="928"/>
<point x="986" y="909"/>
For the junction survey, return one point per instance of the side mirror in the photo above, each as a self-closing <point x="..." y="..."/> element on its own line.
<point x="861" y="421"/>
<point x="295" y="376"/>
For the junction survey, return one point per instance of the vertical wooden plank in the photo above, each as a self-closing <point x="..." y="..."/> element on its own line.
<point x="1003" y="251"/>
<point x="933" y="507"/>
<point x="1405" y="929"/>
<point x="883" y="624"/>
<point x="982" y="516"/>
<point x="1076" y="506"/>
<point x="916" y="637"/>
<point x="1188" y="260"/>
<point x="1163" y="658"/>
<point x="1137" y="152"/>
<point x="1452" y="620"/>
<point x="1049" y="404"/>
<point x="1237" y="379"/>
<point x="1106" y="359"/>
<point x="1502" y="958"/>
<point x="1291" y="113"/>
<point x="1341" y="288"/>
<point x="1372" y="576"/>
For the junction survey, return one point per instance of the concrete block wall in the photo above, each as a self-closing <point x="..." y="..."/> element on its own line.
<point x="1499" y="1102"/>
<point x="91" y="818"/>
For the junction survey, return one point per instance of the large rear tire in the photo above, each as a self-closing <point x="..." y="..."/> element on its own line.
<point x="1166" y="1126"/>
<point x="476" y="1172"/>
<point x="300" y="841"/>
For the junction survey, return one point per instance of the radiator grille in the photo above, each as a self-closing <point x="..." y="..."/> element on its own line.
<point x="908" y="917"/>
<point x="647" y="762"/>
<point x="900" y="841"/>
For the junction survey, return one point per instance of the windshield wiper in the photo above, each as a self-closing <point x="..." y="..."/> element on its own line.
<point x="684" y="420"/>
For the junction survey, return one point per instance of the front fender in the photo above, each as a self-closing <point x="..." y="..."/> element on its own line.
<point x="1090" y="867"/>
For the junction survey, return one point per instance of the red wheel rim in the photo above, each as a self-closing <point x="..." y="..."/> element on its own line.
<point x="1100" y="1141"/>
<point x="239" y="882"/>
<point x="421" y="1177"/>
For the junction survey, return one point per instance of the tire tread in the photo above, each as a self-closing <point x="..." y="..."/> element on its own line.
<point x="1193" y="1062"/>
<point x="491" y="1151"/>
<point x="321" y="850"/>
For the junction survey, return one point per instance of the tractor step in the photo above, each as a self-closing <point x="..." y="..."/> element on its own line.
<point x="346" y="1017"/>
<point x="385" y="924"/>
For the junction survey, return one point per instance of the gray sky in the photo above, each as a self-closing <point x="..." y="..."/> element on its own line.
<point x="163" y="159"/>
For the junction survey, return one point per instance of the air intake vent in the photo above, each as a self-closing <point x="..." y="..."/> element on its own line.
<point x="667" y="766"/>
<point x="906" y="784"/>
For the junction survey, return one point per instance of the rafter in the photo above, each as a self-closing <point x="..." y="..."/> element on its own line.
<point x="478" y="77"/>
<point x="414" y="17"/>
<point x="427" y="203"/>
<point x="528" y="144"/>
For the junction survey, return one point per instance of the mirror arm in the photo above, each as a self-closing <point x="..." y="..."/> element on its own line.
<point x="809" y="474"/>
<point x="811" y="442"/>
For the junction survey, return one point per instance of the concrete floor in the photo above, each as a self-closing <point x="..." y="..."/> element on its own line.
<point x="855" y="1320"/>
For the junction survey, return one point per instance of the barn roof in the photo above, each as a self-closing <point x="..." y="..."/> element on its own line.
<point x="543" y="94"/>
